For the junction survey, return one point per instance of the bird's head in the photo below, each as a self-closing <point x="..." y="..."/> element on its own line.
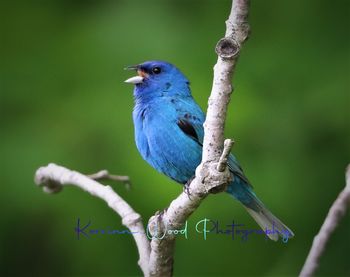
<point x="156" y="79"/>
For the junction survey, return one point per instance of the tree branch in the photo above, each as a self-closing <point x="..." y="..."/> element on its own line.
<point x="53" y="177"/>
<point x="333" y="219"/>
<point x="212" y="174"/>
<point x="228" y="50"/>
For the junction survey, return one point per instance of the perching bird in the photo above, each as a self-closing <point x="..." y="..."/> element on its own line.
<point x="169" y="135"/>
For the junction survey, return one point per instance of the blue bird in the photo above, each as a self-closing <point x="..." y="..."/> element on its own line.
<point x="169" y="135"/>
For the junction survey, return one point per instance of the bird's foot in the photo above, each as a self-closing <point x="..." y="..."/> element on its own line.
<point x="187" y="187"/>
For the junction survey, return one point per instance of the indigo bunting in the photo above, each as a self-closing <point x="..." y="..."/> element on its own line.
<point x="169" y="135"/>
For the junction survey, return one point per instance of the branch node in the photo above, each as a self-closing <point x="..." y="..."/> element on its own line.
<point x="131" y="219"/>
<point x="216" y="181"/>
<point x="227" y="48"/>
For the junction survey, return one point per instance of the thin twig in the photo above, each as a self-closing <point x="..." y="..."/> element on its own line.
<point x="105" y="175"/>
<point x="53" y="177"/>
<point x="332" y="221"/>
<point x="225" y="154"/>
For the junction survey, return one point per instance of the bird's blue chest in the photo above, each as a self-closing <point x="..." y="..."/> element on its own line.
<point x="162" y="143"/>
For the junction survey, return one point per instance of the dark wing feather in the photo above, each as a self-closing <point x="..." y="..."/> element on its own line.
<point x="188" y="129"/>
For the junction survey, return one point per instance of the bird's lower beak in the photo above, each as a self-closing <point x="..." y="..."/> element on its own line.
<point x="136" y="79"/>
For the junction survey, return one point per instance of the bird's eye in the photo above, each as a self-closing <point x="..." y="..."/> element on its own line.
<point x="156" y="70"/>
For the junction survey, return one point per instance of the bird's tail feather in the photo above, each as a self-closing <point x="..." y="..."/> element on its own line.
<point x="269" y="223"/>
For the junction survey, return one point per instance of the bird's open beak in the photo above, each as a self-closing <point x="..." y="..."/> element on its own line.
<point x="136" y="79"/>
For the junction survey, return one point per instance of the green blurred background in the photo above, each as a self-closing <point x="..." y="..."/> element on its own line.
<point x="63" y="100"/>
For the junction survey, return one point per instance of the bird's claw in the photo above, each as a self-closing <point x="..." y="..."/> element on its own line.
<point x="186" y="188"/>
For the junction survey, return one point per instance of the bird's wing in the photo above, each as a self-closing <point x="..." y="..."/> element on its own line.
<point x="190" y="121"/>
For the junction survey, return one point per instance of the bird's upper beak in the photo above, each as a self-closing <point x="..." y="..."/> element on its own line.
<point x="136" y="79"/>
